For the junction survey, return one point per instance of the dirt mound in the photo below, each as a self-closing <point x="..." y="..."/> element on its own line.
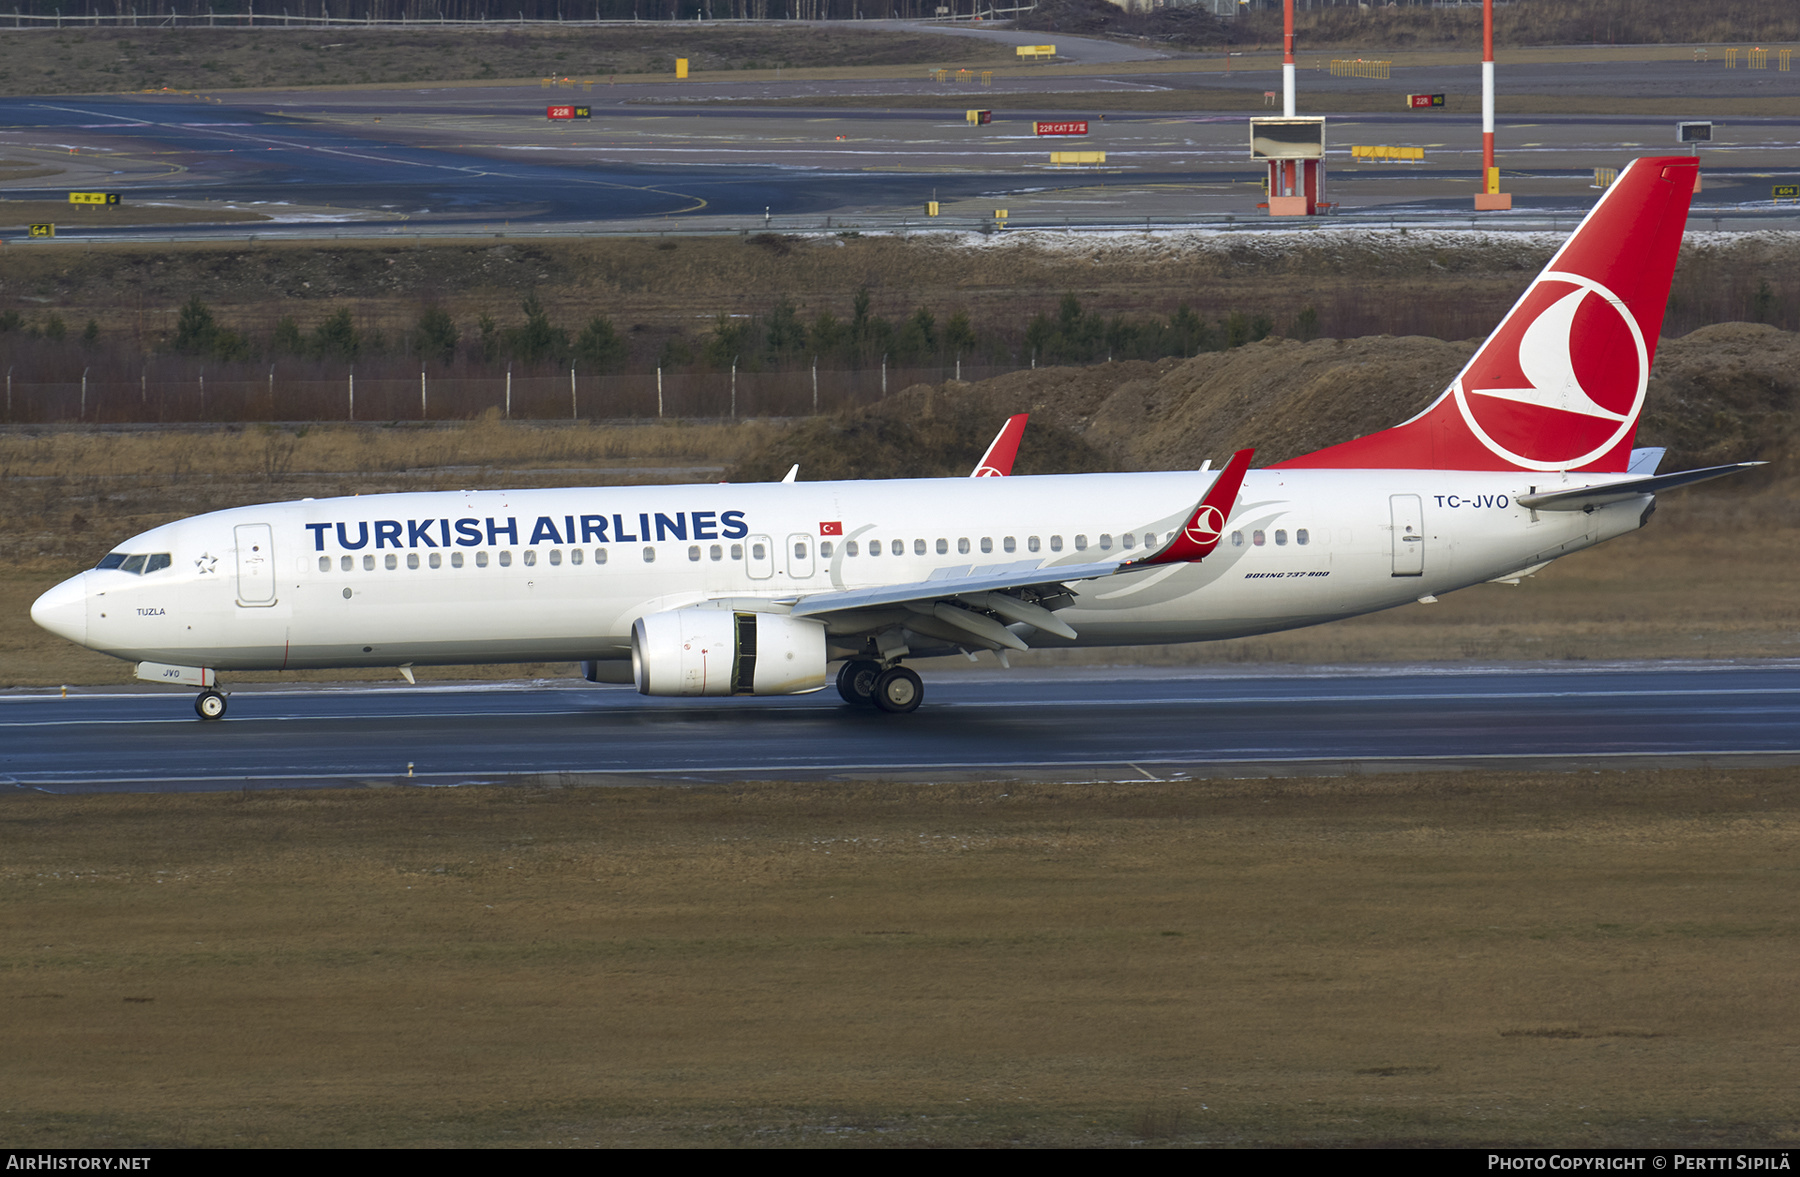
<point x="928" y="431"/>
<point x="1727" y="393"/>
<point x="1721" y="394"/>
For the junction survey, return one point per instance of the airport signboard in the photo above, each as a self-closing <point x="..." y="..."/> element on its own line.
<point x="1424" y="101"/>
<point x="568" y="112"/>
<point x="1078" y="127"/>
<point x="93" y="198"/>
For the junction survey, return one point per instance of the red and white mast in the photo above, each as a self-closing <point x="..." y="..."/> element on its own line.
<point x="1287" y="61"/>
<point x="1487" y="95"/>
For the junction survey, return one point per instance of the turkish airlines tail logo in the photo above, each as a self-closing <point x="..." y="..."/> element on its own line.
<point x="1560" y="383"/>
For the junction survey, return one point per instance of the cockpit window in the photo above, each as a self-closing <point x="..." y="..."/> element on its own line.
<point x="137" y="564"/>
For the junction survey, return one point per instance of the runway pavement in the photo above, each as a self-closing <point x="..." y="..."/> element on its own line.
<point x="723" y="154"/>
<point x="1041" y="725"/>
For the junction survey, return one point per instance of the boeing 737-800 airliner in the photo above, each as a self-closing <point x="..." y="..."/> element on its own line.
<point x="758" y="589"/>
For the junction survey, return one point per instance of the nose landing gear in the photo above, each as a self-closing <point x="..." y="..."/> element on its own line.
<point x="210" y="705"/>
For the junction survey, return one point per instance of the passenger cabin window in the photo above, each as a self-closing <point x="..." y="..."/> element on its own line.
<point x="599" y="555"/>
<point x="717" y="553"/>
<point x="481" y="559"/>
<point x="456" y="559"/>
<point x="1105" y="543"/>
<point x="1056" y="543"/>
<point x="757" y="552"/>
<point x="1281" y="539"/>
<point x="1010" y="544"/>
<point x="1257" y="538"/>
<point x="368" y="563"/>
<point x="506" y="558"/>
<point x="649" y="555"/>
<point x="918" y="547"/>
<point x="1031" y="543"/>
<point x="574" y="555"/>
<point x="1300" y="537"/>
<point x="555" y="557"/>
<point x="962" y="546"/>
<point x="530" y="557"/>
<point x="346" y="563"/>
<point x="897" y="547"/>
<point x="392" y="561"/>
<point x="849" y="547"/>
<point x="694" y="553"/>
<point x="943" y="547"/>
<point x="987" y="544"/>
<point x="1081" y="543"/>
<point x="825" y="549"/>
<point x="1237" y="539"/>
<point x="412" y="559"/>
<point x="324" y="563"/>
<point x="437" y="561"/>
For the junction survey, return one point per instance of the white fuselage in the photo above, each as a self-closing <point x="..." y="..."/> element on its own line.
<point x="541" y="575"/>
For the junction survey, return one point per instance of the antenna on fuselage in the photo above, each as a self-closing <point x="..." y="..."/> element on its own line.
<point x="793" y="472"/>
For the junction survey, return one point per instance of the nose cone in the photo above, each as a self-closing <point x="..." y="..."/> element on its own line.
<point x="63" y="610"/>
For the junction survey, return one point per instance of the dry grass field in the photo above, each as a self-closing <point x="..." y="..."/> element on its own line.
<point x="81" y="61"/>
<point x="1473" y="960"/>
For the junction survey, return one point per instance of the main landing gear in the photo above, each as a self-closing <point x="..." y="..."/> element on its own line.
<point x="210" y="705"/>
<point x="897" y="690"/>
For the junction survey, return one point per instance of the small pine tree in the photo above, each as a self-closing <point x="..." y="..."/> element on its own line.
<point x="194" y="328"/>
<point x="436" y="336"/>
<point x="599" y="346"/>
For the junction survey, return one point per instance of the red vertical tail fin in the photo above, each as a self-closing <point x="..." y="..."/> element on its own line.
<point x="1560" y="383"/>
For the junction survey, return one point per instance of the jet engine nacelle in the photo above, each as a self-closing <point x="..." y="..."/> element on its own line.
<point x="721" y="652"/>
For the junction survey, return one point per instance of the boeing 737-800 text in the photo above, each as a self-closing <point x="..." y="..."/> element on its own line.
<point x="758" y="589"/>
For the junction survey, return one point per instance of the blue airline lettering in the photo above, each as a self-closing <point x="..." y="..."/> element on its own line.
<point x="469" y="533"/>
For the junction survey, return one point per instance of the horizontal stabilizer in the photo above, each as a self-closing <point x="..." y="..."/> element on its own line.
<point x="1587" y="498"/>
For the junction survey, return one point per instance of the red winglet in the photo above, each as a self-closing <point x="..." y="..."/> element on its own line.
<point x="998" y="461"/>
<point x="1207" y="524"/>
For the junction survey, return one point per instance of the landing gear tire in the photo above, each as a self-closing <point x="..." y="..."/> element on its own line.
<point x="856" y="682"/>
<point x="210" y="705"/>
<point x="899" y="691"/>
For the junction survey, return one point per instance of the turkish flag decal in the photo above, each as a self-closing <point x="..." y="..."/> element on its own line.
<point x="832" y="528"/>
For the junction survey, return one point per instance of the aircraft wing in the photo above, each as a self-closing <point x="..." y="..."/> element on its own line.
<point x="1588" y="498"/>
<point x="968" y="596"/>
